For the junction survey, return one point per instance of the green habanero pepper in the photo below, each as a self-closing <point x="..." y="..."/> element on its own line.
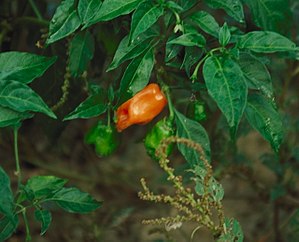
<point x="104" y="138"/>
<point x="197" y="111"/>
<point x="161" y="130"/>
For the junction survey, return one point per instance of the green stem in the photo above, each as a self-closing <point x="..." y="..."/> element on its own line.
<point x="28" y="236"/>
<point x="35" y="10"/>
<point x="170" y="105"/>
<point x="16" y="150"/>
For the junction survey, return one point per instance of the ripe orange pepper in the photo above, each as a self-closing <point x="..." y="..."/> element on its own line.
<point x="141" y="108"/>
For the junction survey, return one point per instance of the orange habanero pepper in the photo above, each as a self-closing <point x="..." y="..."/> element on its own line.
<point x="141" y="108"/>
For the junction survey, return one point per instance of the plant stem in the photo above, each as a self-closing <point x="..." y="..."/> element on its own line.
<point x="16" y="150"/>
<point x="170" y="105"/>
<point x="35" y="10"/>
<point x="28" y="236"/>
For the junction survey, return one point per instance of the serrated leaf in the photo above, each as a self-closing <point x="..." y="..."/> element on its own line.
<point x="44" y="186"/>
<point x="111" y="9"/>
<point x="93" y="106"/>
<point x="145" y="15"/>
<point x="224" y="35"/>
<point x="64" y="22"/>
<point x="226" y="85"/>
<point x="256" y="74"/>
<point x="192" y="130"/>
<point x="6" y="198"/>
<point x="137" y="74"/>
<point x="233" y="8"/>
<point x="74" y="201"/>
<point x="45" y="217"/>
<point x="9" y="117"/>
<point x="81" y="52"/>
<point x="233" y="231"/>
<point x="127" y="51"/>
<point x="271" y="15"/>
<point x="262" y="116"/>
<point x="265" y="42"/>
<point x="19" y="97"/>
<point x="87" y="9"/>
<point x="206" y="22"/>
<point x="189" y="39"/>
<point x="8" y="227"/>
<point x="23" y="67"/>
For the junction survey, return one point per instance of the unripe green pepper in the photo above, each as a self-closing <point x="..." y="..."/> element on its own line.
<point x="161" y="130"/>
<point x="197" y="111"/>
<point x="104" y="138"/>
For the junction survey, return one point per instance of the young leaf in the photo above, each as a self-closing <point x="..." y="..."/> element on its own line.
<point x="23" y="67"/>
<point x="265" y="42"/>
<point x="206" y="22"/>
<point x="256" y="74"/>
<point x="233" y="8"/>
<point x="261" y="115"/>
<point x="6" y="198"/>
<point x="81" y="52"/>
<point x="74" y="201"/>
<point x="192" y="130"/>
<point x="226" y="85"/>
<point x="9" y="117"/>
<point x="145" y="15"/>
<point x="45" y="217"/>
<point x="87" y="9"/>
<point x="93" y="106"/>
<point x="224" y="35"/>
<point x="111" y="9"/>
<point x="137" y="74"/>
<point x="64" y="22"/>
<point x="21" y="98"/>
<point x="234" y="231"/>
<point x="44" y="186"/>
<point x="189" y="39"/>
<point x="8" y="227"/>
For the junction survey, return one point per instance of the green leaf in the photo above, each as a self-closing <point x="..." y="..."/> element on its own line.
<point x="145" y="15"/>
<point x="81" y="52"/>
<point x="233" y="231"/>
<point x="127" y="51"/>
<point x="206" y="22"/>
<point x="224" y="35"/>
<point x="265" y="42"/>
<point x="137" y="74"/>
<point x="192" y="56"/>
<point x="226" y="85"/>
<point x="6" y="198"/>
<point x="44" y="186"/>
<point x="87" y="9"/>
<point x="8" y="227"/>
<point x="233" y="8"/>
<point x="189" y="39"/>
<point x="64" y="22"/>
<point x="45" y="217"/>
<point x="187" y="4"/>
<point x="23" y="67"/>
<point x="93" y="106"/>
<point x="74" y="201"/>
<point x="9" y="117"/>
<point x="256" y="74"/>
<point x="262" y="116"/>
<point x="190" y="129"/>
<point x="111" y="9"/>
<point x="270" y="15"/>
<point x="21" y="98"/>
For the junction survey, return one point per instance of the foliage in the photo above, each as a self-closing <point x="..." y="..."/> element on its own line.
<point x="206" y="54"/>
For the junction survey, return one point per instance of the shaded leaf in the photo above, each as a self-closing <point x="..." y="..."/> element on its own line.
<point x="206" y="22"/>
<point x="9" y="117"/>
<point x="233" y="231"/>
<point x="189" y="39"/>
<point x="64" y="22"/>
<point x="190" y="129"/>
<point x="8" y="227"/>
<point x="81" y="52"/>
<point x="226" y="85"/>
<point x="145" y="15"/>
<point x="23" y="67"/>
<point x="6" y="198"/>
<point x="87" y="9"/>
<point x="187" y="4"/>
<point x="265" y="42"/>
<point x="192" y="56"/>
<point x="45" y="217"/>
<point x="21" y="98"/>
<point x="74" y="201"/>
<point x="262" y="116"/>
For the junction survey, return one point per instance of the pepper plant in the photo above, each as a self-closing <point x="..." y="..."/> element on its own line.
<point x="208" y="71"/>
